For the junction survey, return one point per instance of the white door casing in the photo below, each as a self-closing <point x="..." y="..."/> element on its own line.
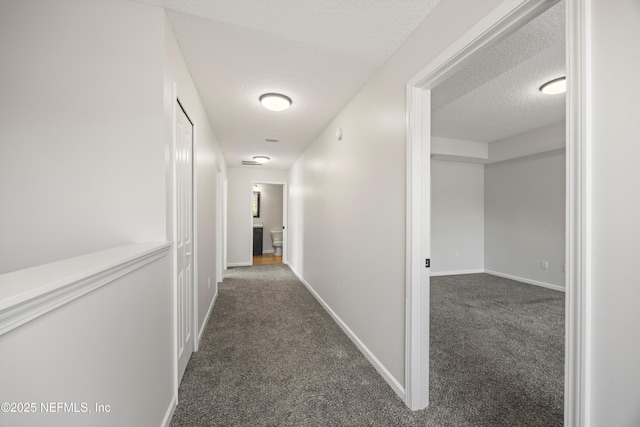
<point x="219" y="226"/>
<point x="225" y="192"/>
<point x="184" y="239"/>
<point x="505" y="19"/>
<point x="285" y="216"/>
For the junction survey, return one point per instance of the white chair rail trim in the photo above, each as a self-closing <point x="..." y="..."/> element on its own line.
<point x="28" y="294"/>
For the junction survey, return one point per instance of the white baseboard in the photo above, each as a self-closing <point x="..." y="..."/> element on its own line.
<point x="528" y="281"/>
<point x="170" y="410"/>
<point x="453" y="273"/>
<point x="206" y="318"/>
<point x="386" y="375"/>
<point x="267" y="251"/>
<point x="239" y="264"/>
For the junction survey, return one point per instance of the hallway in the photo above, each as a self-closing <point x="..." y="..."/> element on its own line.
<point x="272" y="356"/>
<point x="93" y="307"/>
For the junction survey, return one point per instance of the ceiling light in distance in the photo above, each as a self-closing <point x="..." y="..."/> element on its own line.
<point x="275" y="101"/>
<point x="555" y="86"/>
<point x="261" y="159"/>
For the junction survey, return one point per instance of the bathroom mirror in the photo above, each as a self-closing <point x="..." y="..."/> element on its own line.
<point x="255" y="203"/>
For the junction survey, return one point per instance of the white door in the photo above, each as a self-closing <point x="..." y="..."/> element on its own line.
<point x="184" y="237"/>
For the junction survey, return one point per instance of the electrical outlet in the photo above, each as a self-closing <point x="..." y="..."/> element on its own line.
<point x="544" y="265"/>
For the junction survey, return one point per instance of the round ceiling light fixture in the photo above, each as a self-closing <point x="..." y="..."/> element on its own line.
<point x="261" y="159"/>
<point x="555" y="86"/>
<point x="275" y="101"/>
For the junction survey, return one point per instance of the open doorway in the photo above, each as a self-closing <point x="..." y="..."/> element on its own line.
<point x="503" y="21"/>
<point x="498" y="229"/>
<point x="268" y="211"/>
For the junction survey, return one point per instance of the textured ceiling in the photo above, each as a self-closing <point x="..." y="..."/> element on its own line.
<point x="496" y="95"/>
<point x="319" y="53"/>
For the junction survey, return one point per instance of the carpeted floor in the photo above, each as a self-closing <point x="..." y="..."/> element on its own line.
<point x="271" y="356"/>
<point x="497" y="351"/>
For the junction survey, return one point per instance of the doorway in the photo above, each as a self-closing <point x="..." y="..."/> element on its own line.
<point x="269" y="207"/>
<point x="504" y="20"/>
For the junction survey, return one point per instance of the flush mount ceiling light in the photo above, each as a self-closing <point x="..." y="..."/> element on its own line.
<point x="275" y="101"/>
<point x="555" y="86"/>
<point x="261" y="159"/>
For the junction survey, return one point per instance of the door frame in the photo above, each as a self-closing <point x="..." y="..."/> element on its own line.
<point x="500" y="23"/>
<point x="173" y="233"/>
<point x="285" y="204"/>
<point x="220" y="225"/>
<point x="225" y="219"/>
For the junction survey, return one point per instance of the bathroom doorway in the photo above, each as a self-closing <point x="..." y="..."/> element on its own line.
<point x="269" y="207"/>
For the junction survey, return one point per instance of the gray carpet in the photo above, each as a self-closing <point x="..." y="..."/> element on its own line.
<point x="497" y="351"/>
<point x="271" y="356"/>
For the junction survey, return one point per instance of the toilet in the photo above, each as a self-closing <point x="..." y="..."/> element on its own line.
<point x="276" y="240"/>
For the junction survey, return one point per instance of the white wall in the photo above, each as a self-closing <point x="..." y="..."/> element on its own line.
<point x="82" y="168"/>
<point x="112" y="346"/>
<point x="347" y="196"/>
<point x="240" y="218"/>
<point x="270" y="212"/>
<point x="614" y="209"/>
<point x="85" y="155"/>
<point x="525" y="217"/>
<point x="208" y="160"/>
<point x="299" y="192"/>
<point x="82" y="154"/>
<point x="457" y="218"/>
